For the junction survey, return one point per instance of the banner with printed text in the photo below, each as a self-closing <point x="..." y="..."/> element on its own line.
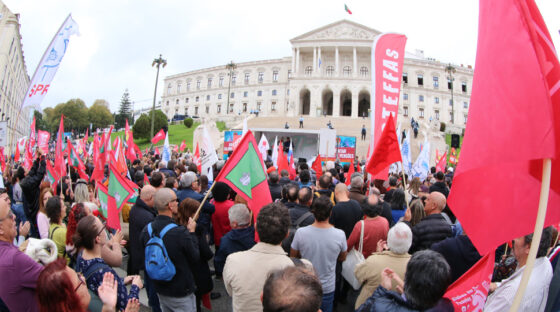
<point x="229" y="138"/>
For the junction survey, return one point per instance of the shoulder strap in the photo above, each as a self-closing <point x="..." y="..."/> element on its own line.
<point x="302" y="218"/>
<point x="166" y="229"/>
<point x="51" y="234"/>
<point x="150" y="229"/>
<point x="361" y="237"/>
<point x="93" y="268"/>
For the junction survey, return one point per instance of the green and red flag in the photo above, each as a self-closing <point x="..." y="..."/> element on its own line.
<point x="244" y="173"/>
<point x="347" y="9"/>
<point x="76" y="162"/>
<point x="51" y="175"/>
<point x="119" y="191"/>
<point x="102" y="196"/>
<point x="98" y="160"/>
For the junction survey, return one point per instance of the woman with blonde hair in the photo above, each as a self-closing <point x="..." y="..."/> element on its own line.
<point x="81" y="192"/>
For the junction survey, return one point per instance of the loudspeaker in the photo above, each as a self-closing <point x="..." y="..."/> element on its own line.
<point x="455" y="139"/>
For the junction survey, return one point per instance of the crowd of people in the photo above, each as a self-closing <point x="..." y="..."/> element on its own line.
<point x="185" y="232"/>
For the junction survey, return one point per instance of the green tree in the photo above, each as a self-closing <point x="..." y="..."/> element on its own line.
<point x="40" y="123"/>
<point x="124" y="111"/>
<point x="188" y="122"/>
<point x="99" y="115"/>
<point x="48" y="116"/>
<point x="142" y="126"/>
<point x="75" y="115"/>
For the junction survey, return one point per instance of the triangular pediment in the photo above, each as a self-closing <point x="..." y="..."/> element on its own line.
<point x="341" y="30"/>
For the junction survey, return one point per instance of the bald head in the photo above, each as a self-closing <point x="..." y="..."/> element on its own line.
<point x="341" y="192"/>
<point x="162" y="198"/>
<point x="435" y="203"/>
<point x="147" y="194"/>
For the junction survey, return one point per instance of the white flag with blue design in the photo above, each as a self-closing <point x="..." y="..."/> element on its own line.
<point x="422" y="165"/>
<point x="49" y="64"/>
<point x="166" y="153"/>
<point x="405" y="152"/>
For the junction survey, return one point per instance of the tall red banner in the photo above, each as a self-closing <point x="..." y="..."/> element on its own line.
<point x="387" y="59"/>
<point x="43" y="138"/>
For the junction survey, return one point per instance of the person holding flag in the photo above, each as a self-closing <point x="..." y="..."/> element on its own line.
<point x="30" y="189"/>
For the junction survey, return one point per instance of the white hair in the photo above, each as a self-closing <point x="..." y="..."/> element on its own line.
<point x="240" y="214"/>
<point x="399" y="238"/>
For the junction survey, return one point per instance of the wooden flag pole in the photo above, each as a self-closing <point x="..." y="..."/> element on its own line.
<point x="203" y="201"/>
<point x="404" y="179"/>
<point x="539" y="224"/>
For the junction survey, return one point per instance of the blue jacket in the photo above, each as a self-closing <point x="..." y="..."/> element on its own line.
<point x="234" y="241"/>
<point x="386" y="300"/>
<point x="207" y="209"/>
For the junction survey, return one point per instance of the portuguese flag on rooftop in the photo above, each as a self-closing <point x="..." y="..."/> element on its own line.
<point x="244" y="173"/>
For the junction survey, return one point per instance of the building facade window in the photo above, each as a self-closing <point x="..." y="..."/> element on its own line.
<point x="233" y="79"/>
<point x="330" y="71"/>
<point x="168" y="89"/>
<point x="188" y="86"/>
<point x="196" y="99"/>
<point x="465" y="105"/>
<point x="259" y="93"/>
<point x="245" y="94"/>
<point x="405" y="96"/>
<point x="208" y="97"/>
<point x="465" y="118"/>
<point x="231" y="108"/>
<point x="436" y="100"/>
<point x="436" y="82"/>
<point x="405" y="108"/>
<point x="196" y="111"/>
<point x="450" y="102"/>
<point x="177" y="102"/>
<point x="219" y="109"/>
<point x="289" y="74"/>
<point x="198" y="84"/>
<point x="232" y="95"/>
<point x="308" y="70"/>
<point x="221" y="81"/>
<point x="186" y="111"/>
<point x="346" y="71"/>
<point x="421" y="98"/>
<point x="464" y="86"/>
<point x="261" y="77"/>
<point x="244" y="107"/>
<point x="437" y="114"/>
<point x="451" y="117"/>
<point x="273" y="106"/>
<point x="275" y="76"/>
<point x="187" y="100"/>
<point x="405" y="77"/>
<point x="259" y="104"/>
<point x="207" y="109"/>
<point x="421" y="112"/>
<point x="219" y="96"/>
<point x="209" y="83"/>
<point x="178" y="87"/>
<point x="274" y="92"/>
<point x="167" y="103"/>
<point x="449" y="84"/>
<point x="364" y="71"/>
<point x="247" y="76"/>
<point x="420" y="80"/>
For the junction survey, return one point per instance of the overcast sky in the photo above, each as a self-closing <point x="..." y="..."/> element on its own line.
<point x="120" y="38"/>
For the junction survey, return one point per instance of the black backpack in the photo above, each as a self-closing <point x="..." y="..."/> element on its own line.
<point x="287" y="242"/>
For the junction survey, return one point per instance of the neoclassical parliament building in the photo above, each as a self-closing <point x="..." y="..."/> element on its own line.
<point x="328" y="73"/>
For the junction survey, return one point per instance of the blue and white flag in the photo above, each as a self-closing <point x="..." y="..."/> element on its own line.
<point x="49" y="64"/>
<point x="422" y="165"/>
<point x="406" y="155"/>
<point x="166" y="153"/>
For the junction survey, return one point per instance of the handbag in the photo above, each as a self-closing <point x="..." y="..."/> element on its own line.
<point x="354" y="258"/>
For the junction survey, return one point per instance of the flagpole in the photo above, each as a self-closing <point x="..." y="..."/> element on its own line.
<point x="203" y="201"/>
<point x="539" y="224"/>
<point x="404" y="179"/>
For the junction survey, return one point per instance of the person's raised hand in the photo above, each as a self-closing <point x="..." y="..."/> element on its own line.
<point x="108" y="290"/>
<point x="191" y="226"/>
<point x="136" y="280"/>
<point x="24" y="228"/>
<point x="133" y="305"/>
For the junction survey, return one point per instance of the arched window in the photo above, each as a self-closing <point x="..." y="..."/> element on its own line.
<point x="178" y="87"/>
<point x="347" y="70"/>
<point x="330" y="71"/>
<point x="308" y="70"/>
<point x="169" y="89"/>
<point x="364" y="71"/>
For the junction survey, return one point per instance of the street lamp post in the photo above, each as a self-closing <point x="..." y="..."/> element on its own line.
<point x="231" y="67"/>
<point x="157" y="62"/>
<point x="451" y="70"/>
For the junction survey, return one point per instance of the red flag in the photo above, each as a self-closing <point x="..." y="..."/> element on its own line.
<point x="196" y="158"/>
<point x="2" y="159"/>
<point x="387" y="60"/>
<point x="28" y="160"/>
<point x="32" y="135"/>
<point x="244" y="173"/>
<point x="43" y="138"/>
<point x="146" y="180"/>
<point x="75" y="161"/>
<point x="127" y="132"/>
<point x="317" y="166"/>
<point x="16" y="156"/>
<point x="525" y="110"/>
<point x="350" y="172"/>
<point x="156" y="151"/>
<point x="158" y="137"/>
<point x="386" y="150"/>
<point x="183" y="146"/>
<point x="86" y="137"/>
<point x="442" y="163"/>
<point x="282" y="159"/>
<point x="206" y="301"/>
<point x="98" y="160"/>
<point x="59" y="164"/>
<point x="453" y="156"/>
<point x="176" y="149"/>
<point x="469" y="292"/>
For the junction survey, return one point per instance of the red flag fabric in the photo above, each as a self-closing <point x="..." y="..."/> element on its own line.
<point x="98" y="160"/>
<point x="16" y="156"/>
<point x="32" y="135"/>
<point x="350" y="172"/>
<point x="196" y="158"/>
<point x="2" y="159"/>
<point x="43" y="138"/>
<point x="146" y="180"/>
<point x="469" y="292"/>
<point x="442" y="163"/>
<point x="244" y="173"/>
<point x="158" y="137"/>
<point x="176" y="149"/>
<point x="206" y="301"/>
<point x="183" y="146"/>
<point x="156" y="152"/>
<point x="127" y="133"/>
<point x="453" y="156"/>
<point x="386" y="150"/>
<point x="75" y="161"/>
<point x="525" y="110"/>
<point x="59" y="164"/>
<point x="28" y="160"/>
<point x="282" y="159"/>
<point x="317" y="166"/>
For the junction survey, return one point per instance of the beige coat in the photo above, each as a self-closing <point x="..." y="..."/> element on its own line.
<point x="369" y="272"/>
<point x="246" y="271"/>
